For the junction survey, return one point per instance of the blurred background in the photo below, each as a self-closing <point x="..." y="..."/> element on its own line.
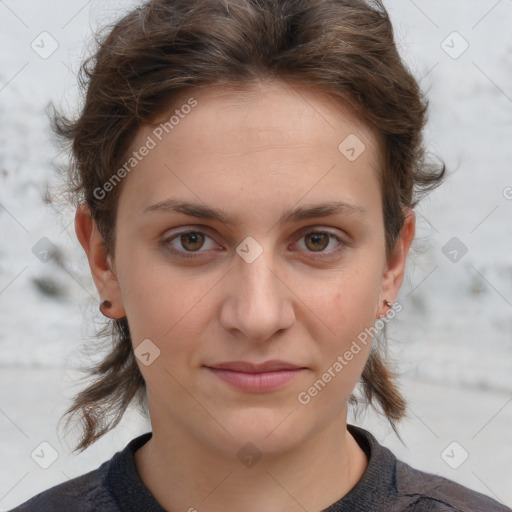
<point x="453" y="339"/>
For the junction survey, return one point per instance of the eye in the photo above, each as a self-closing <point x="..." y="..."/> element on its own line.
<point x="323" y="242"/>
<point x="187" y="243"/>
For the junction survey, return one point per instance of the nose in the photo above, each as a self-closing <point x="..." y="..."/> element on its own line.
<point x="258" y="303"/>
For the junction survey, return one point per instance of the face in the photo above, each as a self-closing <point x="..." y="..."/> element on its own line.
<point x="246" y="235"/>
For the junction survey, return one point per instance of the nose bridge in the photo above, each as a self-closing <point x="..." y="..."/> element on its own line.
<point x="259" y="304"/>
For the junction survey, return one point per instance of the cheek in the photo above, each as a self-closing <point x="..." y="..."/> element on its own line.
<point x="348" y="301"/>
<point x="168" y="306"/>
<point x="348" y="308"/>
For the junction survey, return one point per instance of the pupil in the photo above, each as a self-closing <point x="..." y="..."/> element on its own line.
<point x="316" y="238"/>
<point x="196" y="240"/>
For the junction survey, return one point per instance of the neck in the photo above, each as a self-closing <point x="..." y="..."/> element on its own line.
<point x="184" y="473"/>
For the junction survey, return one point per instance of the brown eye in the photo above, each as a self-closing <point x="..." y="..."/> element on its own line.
<point x="319" y="244"/>
<point x="192" y="241"/>
<point x="317" y="241"/>
<point x="189" y="244"/>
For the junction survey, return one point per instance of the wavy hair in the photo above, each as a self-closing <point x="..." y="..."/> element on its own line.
<point x="167" y="47"/>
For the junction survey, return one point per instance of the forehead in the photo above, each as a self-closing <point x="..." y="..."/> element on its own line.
<point x="270" y="135"/>
<point x="264" y="110"/>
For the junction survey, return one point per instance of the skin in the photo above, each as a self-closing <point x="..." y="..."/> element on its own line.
<point x="254" y="153"/>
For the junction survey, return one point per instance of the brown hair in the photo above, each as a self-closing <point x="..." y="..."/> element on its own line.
<point x="167" y="47"/>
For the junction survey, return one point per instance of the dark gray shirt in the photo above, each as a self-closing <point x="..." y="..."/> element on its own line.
<point x="387" y="485"/>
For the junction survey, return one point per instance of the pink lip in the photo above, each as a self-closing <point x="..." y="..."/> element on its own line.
<point x="256" y="378"/>
<point x="246" y="367"/>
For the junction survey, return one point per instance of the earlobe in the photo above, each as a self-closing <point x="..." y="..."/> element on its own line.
<point x="99" y="261"/>
<point x="394" y="273"/>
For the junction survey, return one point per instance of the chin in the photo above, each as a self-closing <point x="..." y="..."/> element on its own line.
<point x="270" y="430"/>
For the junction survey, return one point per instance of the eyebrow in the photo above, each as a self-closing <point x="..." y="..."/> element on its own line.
<point x="202" y="211"/>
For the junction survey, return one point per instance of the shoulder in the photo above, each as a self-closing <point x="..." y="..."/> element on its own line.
<point x="392" y="485"/>
<point x="85" y="493"/>
<point x="427" y="491"/>
<point x="113" y="486"/>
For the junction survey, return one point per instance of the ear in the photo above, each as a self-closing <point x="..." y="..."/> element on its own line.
<point x="102" y="269"/>
<point x="395" y="267"/>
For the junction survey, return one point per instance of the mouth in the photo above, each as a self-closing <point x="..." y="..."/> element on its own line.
<point x="247" y="367"/>
<point x="256" y="378"/>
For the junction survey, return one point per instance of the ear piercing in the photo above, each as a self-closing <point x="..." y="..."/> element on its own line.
<point x="388" y="304"/>
<point x="105" y="304"/>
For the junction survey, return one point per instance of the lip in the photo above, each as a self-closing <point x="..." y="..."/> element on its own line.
<point x="247" y="367"/>
<point x="256" y="378"/>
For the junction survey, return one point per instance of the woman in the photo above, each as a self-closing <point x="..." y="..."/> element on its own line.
<point x="246" y="173"/>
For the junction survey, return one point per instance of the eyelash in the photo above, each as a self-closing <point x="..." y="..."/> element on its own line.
<point x="196" y="254"/>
